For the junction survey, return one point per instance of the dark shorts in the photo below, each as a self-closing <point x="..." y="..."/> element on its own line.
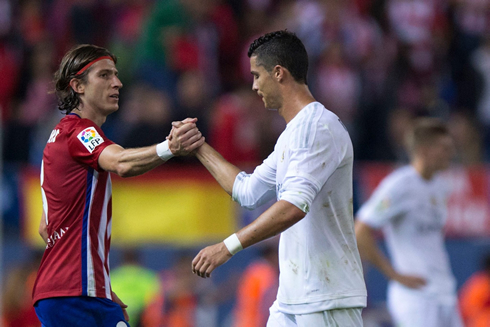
<point x="80" y="311"/>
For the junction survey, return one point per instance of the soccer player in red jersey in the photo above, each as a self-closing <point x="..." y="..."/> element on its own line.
<point x="73" y="285"/>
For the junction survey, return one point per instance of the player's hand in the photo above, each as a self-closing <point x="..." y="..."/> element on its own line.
<point x="184" y="137"/>
<point x="410" y="281"/>
<point x="209" y="259"/>
<point x="123" y="306"/>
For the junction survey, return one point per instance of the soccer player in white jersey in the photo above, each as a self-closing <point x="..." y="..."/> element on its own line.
<point x="410" y="206"/>
<point x="310" y="174"/>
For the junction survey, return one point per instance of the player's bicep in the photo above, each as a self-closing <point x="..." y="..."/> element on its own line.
<point x="109" y="157"/>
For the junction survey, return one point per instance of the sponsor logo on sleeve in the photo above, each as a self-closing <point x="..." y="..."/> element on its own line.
<point x="90" y="138"/>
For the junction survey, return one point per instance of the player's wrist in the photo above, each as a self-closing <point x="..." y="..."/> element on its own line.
<point x="233" y="244"/>
<point x="163" y="151"/>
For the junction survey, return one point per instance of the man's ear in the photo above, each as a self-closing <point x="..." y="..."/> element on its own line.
<point x="77" y="85"/>
<point x="278" y="73"/>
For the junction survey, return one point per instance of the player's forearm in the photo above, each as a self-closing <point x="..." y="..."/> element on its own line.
<point x="370" y="251"/>
<point x="134" y="162"/>
<point x="223" y="171"/>
<point x="273" y="221"/>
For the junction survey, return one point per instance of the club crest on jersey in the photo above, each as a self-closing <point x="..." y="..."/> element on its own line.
<point x="90" y="138"/>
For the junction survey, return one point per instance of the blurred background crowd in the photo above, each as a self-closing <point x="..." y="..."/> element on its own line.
<point x="376" y="63"/>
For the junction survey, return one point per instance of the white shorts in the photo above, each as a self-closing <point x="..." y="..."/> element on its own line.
<point x="350" y="317"/>
<point x="424" y="313"/>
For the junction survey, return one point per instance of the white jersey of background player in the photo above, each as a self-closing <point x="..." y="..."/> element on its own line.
<point x="410" y="206"/>
<point x="310" y="173"/>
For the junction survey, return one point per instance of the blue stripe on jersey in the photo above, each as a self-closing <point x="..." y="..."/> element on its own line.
<point x="88" y="193"/>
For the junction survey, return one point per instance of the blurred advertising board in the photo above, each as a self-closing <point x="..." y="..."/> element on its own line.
<point x="170" y="205"/>
<point x="468" y="203"/>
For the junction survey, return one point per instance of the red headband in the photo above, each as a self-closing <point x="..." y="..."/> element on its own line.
<point x="87" y="66"/>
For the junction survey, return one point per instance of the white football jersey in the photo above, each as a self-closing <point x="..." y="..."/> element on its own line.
<point x="311" y="167"/>
<point x="412" y="212"/>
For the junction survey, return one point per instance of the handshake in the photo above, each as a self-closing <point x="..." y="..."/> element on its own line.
<point x="185" y="137"/>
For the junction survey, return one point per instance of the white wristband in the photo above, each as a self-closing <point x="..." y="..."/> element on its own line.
<point x="163" y="151"/>
<point x="233" y="244"/>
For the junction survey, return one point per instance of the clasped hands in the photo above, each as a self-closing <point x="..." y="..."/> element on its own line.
<point x="185" y="137"/>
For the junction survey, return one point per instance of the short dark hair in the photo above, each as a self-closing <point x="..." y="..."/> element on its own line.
<point x="282" y="48"/>
<point x="424" y="131"/>
<point x="72" y="62"/>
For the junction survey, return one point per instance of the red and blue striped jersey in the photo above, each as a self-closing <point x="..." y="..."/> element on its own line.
<point x="77" y="203"/>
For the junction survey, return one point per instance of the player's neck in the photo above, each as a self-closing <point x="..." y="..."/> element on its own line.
<point x="87" y="113"/>
<point x="424" y="171"/>
<point x="295" y="97"/>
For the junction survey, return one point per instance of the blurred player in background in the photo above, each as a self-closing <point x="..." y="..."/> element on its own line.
<point x="410" y="206"/>
<point x="73" y="286"/>
<point x="310" y="174"/>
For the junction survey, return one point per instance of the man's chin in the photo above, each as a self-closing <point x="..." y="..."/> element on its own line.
<point x="268" y="107"/>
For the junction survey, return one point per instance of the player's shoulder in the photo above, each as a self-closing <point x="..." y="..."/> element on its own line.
<point x="73" y="123"/>
<point x="315" y="120"/>
<point x="400" y="178"/>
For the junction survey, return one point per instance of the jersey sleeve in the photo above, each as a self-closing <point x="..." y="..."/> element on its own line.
<point x="87" y="142"/>
<point x="315" y="153"/>
<point x="389" y="201"/>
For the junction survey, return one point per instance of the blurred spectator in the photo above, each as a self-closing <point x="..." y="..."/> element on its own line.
<point x="193" y="98"/>
<point x="258" y="287"/>
<point x="474" y="298"/>
<point x="126" y="30"/>
<point x="182" y="35"/>
<point x="146" y="116"/>
<point x="184" y="300"/>
<point x="471" y="18"/>
<point x="240" y="128"/>
<point x="466" y="136"/>
<point x="9" y="70"/>
<point x="17" y="297"/>
<point x="97" y="13"/>
<point x="136" y="285"/>
<point x="480" y="60"/>
<point x="33" y="112"/>
<point x="38" y="100"/>
<point x="400" y="121"/>
<point x="6" y="16"/>
<point x="338" y="85"/>
<point x="31" y="22"/>
<point x="415" y="23"/>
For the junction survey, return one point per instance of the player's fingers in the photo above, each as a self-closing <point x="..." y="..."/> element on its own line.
<point x="180" y="124"/>
<point x="194" y="146"/>
<point x="198" y="143"/>
<point x="198" y="266"/>
<point x="185" y="131"/>
<point x="191" y="140"/>
<point x="204" y="268"/>
<point x="195" y="262"/>
<point x="209" y="271"/>
<point x="189" y="120"/>
<point x="171" y="134"/>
